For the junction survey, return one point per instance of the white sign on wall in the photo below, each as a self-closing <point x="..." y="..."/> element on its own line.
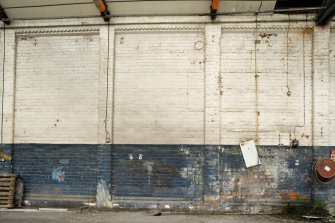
<point x="250" y="153"/>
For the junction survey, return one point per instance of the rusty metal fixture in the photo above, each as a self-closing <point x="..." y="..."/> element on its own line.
<point x="100" y="5"/>
<point x="295" y="143"/>
<point x="324" y="170"/>
<point x="214" y="9"/>
<point x="103" y="9"/>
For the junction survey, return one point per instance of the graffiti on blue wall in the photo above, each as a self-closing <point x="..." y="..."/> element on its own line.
<point x="58" y="174"/>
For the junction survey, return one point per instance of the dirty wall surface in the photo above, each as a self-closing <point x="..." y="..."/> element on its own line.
<point x="150" y="112"/>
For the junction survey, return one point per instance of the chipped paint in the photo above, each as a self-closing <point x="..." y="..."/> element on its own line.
<point x="149" y="165"/>
<point x="58" y="174"/>
<point x="332" y="155"/>
<point x="103" y="198"/>
<point x="184" y="150"/>
<point x="90" y="204"/>
<point x="5" y="156"/>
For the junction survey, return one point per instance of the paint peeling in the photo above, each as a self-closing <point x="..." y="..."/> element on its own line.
<point x="90" y="204"/>
<point x="103" y="197"/>
<point x="228" y="184"/>
<point x="184" y="173"/>
<point x="184" y="150"/>
<point x="332" y="155"/>
<point x="27" y="203"/>
<point x="58" y="175"/>
<point x="149" y="165"/>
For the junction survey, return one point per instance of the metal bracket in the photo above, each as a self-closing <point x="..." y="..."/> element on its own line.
<point x="4" y="16"/>
<point x="103" y="9"/>
<point x="326" y="15"/>
<point x="214" y="9"/>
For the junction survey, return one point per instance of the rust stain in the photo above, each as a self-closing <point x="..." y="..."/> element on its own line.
<point x="293" y="196"/>
<point x="303" y="135"/>
<point x="234" y="194"/>
<point x="308" y="30"/>
<point x="211" y="199"/>
<point x="267" y="35"/>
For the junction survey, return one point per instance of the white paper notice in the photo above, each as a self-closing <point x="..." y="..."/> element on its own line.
<point x="250" y="153"/>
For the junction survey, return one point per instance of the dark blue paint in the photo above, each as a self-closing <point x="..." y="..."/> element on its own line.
<point x="158" y="173"/>
<point x="6" y="166"/>
<point x="104" y="165"/>
<point x="184" y="172"/>
<point x="225" y="164"/>
<point x="34" y="163"/>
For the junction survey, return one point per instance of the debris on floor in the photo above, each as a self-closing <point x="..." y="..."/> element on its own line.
<point x="53" y="209"/>
<point x="155" y="212"/>
<point x="311" y="217"/>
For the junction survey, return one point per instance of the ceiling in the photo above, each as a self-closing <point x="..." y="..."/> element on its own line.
<point x="25" y="9"/>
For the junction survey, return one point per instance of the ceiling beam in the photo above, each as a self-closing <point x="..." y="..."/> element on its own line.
<point x="4" y="16"/>
<point x="326" y="14"/>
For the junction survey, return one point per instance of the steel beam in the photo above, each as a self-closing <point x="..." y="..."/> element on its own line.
<point x="4" y="17"/>
<point x="326" y="14"/>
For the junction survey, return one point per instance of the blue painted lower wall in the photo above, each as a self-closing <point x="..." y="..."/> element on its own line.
<point x="157" y="171"/>
<point x="324" y="192"/>
<point x="173" y="176"/>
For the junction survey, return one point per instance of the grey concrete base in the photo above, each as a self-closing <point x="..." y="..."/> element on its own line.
<point x="131" y="217"/>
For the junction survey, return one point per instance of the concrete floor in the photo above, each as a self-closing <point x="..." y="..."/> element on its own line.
<point x="129" y="217"/>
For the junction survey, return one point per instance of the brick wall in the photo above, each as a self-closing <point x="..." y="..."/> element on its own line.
<point x="257" y="85"/>
<point x="159" y="87"/>
<point x="218" y="84"/>
<point x="181" y="92"/>
<point x="35" y="163"/>
<point x="331" y="84"/>
<point x="56" y="88"/>
<point x="284" y="175"/>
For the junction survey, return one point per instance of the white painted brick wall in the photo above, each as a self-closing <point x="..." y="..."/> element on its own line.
<point x="162" y="83"/>
<point x="9" y="78"/>
<point x="321" y="86"/>
<point x="213" y="85"/>
<point x="106" y="85"/>
<point x="332" y="87"/>
<point x="57" y="89"/>
<point x="278" y="62"/>
<point x="238" y="110"/>
<point x="159" y="88"/>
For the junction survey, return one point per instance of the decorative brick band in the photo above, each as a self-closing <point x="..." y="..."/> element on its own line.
<point x="260" y="27"/>
<point x="56" y="31"/>
<point x="160" y="28"/>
